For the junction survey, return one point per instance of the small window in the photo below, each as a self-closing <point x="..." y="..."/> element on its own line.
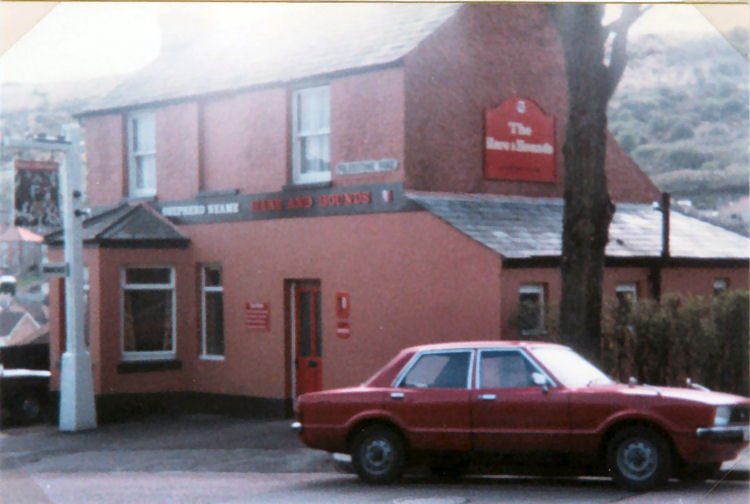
<point x="627" y="295"/>
<point x="531" y="318"/>
<point x="142" y="154"/>
<point x="311" y="150"/>
<point x="212" y="312"/>
<point x="505" y="369"/>
<point x="721" y="285"/>
<point x="148" y="313"/>
<point x="439" y="370"/>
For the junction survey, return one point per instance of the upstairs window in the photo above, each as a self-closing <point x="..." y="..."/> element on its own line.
<point x="311" y="146"/>
<point x="142" y="154"/>
<point x="531" y="320"/>
<point x="627" y="295"/>
<point x="721" y="285"/>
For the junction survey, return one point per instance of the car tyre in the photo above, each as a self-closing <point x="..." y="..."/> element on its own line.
<point x="28" y="406"/>
<point x="638" y="459"/>
<point x="378" y="455"/>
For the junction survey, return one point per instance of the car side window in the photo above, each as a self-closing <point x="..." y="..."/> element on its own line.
<point x="505" y="369"/>
<point x="439" y="370"/>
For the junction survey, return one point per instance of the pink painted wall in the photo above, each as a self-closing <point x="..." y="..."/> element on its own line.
<point x="177" y="155"/>
<point x="411" y="280"/>
<point x="367" y="123"/>
<point x="245" y="144"/>
<point x="105" y="159"/>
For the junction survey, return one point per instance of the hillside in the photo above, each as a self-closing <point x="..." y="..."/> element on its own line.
<point x="681" y="112"/>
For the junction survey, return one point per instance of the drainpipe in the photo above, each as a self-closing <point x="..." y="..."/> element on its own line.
<point x="655" y="275"/>
<point x="665" y="207"/>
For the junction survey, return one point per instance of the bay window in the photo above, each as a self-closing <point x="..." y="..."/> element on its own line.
<point x="148" y="312"/>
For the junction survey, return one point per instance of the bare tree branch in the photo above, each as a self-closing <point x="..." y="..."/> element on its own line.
<point x="619" y="58"/>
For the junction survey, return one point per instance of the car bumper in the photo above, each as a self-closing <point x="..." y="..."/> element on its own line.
<point x="729" y="434"/>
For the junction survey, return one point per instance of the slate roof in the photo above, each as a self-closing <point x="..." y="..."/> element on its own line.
<point x="274" y="44"/>
<point x="9" y="320"/>
<point x="522" y="228"/>
<point x="127" y="225"/>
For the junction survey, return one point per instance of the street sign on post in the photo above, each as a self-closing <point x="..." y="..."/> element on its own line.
<point x="55" y="270"/>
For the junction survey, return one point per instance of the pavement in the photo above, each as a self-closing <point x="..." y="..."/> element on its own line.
<point x="201" y="443"/>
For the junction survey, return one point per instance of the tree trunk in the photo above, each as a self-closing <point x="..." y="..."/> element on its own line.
<point x="588" y="208"/>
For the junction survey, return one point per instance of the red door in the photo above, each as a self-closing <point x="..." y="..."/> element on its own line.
<point x="308" y="337"/>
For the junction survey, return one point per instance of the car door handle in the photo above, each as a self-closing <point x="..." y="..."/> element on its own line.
<point x="487" y="397"/>
<point x="397" y="395"/>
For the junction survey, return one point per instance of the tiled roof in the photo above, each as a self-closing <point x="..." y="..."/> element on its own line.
<point x="278" y="43"/>
<point x="127" y="225"/>
<point x="529" y="227"/>
<point x="18" y="234"/>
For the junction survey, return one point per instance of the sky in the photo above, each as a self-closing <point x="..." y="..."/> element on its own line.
<point x="80" y="40"/>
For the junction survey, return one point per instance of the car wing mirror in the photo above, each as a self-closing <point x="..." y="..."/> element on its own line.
<point x="540" y="381"/>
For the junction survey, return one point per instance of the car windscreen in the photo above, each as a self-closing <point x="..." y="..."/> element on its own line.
<point x="569" y="368"/>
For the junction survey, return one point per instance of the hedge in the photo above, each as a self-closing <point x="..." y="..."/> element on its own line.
<point x="704" y="339"/>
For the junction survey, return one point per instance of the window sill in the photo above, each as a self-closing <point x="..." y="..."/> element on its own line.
<point x="306" y="186"/>
<point x="147" y="366"/>
<point x="219" y="358"/>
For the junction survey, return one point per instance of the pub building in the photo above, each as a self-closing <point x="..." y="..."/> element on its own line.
<point x="279" y="212"/>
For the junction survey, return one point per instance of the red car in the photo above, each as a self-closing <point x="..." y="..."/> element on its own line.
<point x="503" y="403"/>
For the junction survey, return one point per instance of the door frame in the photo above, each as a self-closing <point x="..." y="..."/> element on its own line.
<point x="290" y="286"/>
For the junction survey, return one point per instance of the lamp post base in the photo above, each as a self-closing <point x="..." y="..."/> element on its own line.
<point x="77" y="407"/>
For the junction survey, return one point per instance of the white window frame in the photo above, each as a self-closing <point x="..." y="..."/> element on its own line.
<point x="205" y="289"/>
<point x="171" y="286"/>
<point x="541" y="290"/>
<point x="149" y="189"/>
<point x="721" y="285"/>
<point x="297" y="135"/>
<point x="628" y="288"/>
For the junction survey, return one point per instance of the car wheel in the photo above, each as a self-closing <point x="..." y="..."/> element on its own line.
<point x="638" y="459"/>
<point x="378" y="455"/>
<point x="28" y="406"/>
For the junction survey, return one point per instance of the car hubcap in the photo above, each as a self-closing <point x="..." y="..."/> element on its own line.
<point x="378" y="455"/>
<point x="637" y="459"/>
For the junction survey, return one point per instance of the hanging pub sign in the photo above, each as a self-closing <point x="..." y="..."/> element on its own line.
<point x="36" y="194"/>
<point x="519" y="142"/>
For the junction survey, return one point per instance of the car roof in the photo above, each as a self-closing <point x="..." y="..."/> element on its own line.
<point x="479" y="344"/>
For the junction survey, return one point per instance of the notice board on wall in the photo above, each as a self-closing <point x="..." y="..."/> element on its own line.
<point x="258" y="316"/>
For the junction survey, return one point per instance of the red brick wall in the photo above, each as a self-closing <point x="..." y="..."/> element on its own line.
<point x="478" y="59"/>
<point x="105" y="159"/>
<point x="685" y="281"/>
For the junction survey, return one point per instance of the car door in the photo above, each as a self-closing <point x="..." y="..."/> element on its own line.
<point x="512" y="414"/>
<point x="431" y="399"/>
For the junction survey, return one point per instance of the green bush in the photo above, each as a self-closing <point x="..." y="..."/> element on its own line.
<point x="704" y="339"/>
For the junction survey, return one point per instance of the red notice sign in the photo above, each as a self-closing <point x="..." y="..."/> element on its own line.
<point x="519" y="142"/>
<point x="258" y="316"/>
